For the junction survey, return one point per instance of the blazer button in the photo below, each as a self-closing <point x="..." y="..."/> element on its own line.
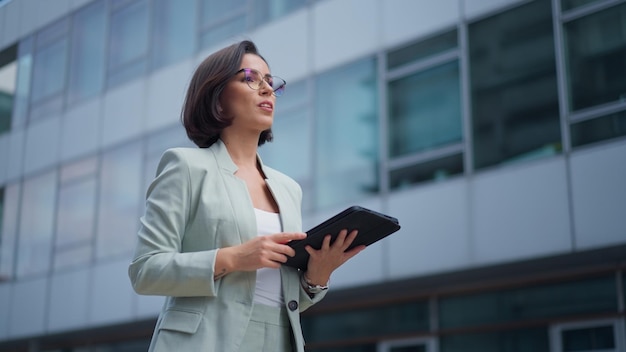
<point x="293" y="305"/>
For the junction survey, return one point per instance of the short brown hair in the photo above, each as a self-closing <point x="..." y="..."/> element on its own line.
<point x="200" y="114"/>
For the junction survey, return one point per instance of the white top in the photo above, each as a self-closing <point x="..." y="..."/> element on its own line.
<point x="268" y="282"/>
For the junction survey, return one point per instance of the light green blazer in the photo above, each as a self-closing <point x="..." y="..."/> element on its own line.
<point x="194" y="206"/>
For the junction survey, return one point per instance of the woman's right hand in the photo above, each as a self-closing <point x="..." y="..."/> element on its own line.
<point x="260" y="252"/>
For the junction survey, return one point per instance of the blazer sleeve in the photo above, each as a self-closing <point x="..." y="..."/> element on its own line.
<point x="159" y="267"/>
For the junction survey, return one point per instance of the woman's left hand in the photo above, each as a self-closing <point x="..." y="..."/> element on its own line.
<point x="324" y="261"/>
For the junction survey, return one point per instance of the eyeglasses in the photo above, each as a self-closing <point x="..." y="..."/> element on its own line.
<point x="255" y="80"/>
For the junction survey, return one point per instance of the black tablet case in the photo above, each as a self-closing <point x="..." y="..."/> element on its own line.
<point x="372" y="226"/>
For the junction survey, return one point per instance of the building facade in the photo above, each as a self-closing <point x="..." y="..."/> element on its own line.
<point x="494" y="130"/>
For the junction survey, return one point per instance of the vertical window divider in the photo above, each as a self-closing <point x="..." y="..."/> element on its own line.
<point x="562" y="93"/>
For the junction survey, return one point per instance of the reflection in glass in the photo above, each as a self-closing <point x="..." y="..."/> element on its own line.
<point x="409" y="317"/>
<point x="425" y="110"/>
<point x="515" y="111"/>
<point x="220" y="20"/>
<point x="49" y="70"/>
<point x="598" y="129"/>
<point x="75" y="214"/>
<point x="269" y="10"/>
<point x="572" y="4"/>
<point x="173" y="35"/>
<point x="9" y="202"/>
<point x="596" y="57"/>
<point x="521" y="340"/>
<point x="8" y="78"/>
<point x="222" y="32"/>
<point x="88" y="52"/>
<point x="422" y="49"/>
<point x="433" y="170"/>
<point x="36" y="224"/>
<point x="346" y="108"/>
<point x="599" y="338"/>
<point x="118" y="210"/>
<point x="22" y="89"/>
<point x="129" y="42"/>
<point x="214" y="10"/>
<point x="592" y="295"/>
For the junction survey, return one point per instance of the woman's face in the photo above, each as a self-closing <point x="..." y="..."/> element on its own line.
<point x="252" y="110"/>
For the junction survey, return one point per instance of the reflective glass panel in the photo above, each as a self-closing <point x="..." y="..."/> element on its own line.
<point x="588" y="339"/>
<point x="222" y="31"/>
<point x="594" y="295"/>
<point x="425" y="110"/>
<point x="572" y="4"/>
<point x="345" y="348"/>
<point x="8" y="79"/>
<point x="346" y="126"/>
<point x="433" y="170"/>
<point x="269" y="10"/>
<point x="36" y="224"/>
<point x="9" y="202"/>
<point x="596" y="58"/>
<point x="49" y="70"/>
<point x="422" y="49"/>
<point x="526" y="340"/>
<point x="174" y="31"/>
<point x="76" y="214"/>
<point x="129" y="42"/>
<point x="367" y="322"/>
<point x="216" y="10"/>
<point x="120" y="195"/>
<point x="598" y="129"/>
<point x="515" y="111"/>
<point x="88" y="52"/>
<point x="22" y="89"/>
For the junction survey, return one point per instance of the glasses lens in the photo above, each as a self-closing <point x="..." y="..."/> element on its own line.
<point x="278" y="86"/>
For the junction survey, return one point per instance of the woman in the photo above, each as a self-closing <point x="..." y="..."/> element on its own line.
<point x="217" y="221"/>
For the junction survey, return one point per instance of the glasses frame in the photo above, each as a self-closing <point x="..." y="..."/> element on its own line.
<point x="268" y="79"/>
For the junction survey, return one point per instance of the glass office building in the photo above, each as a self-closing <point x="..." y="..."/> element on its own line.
<point x="494" y="130"/>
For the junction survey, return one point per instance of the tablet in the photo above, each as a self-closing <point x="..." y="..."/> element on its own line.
<point x="372" y="226"/>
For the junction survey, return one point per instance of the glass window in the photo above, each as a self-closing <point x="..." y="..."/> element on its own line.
<point x="221" y="20"/>
<point x="437" y="169"/>
<point x="422" y="49"/>
<point x="36" y="224"/>
<point x="8" y="79"/>
<point x="588" y="339"/>
<point x="120" y="193"/>
<point x="129" y="42"/>
<point x="344" y="348"/>
<point x="75" y="214"/>
<point x="346" y="142"/>
<point x="402" y="318"/>
<point x="174" y="31"/>
<point x="10" y="205"/>
<point x="425" y="128"/>
<point x="515" y="111"/>
<point x="598" y="129"/>
<point x="291" y="150"/>
<point x="269" y="10"/>
<point x="572" y="4"/>
<point x="49" y="70"/>
<point x="22" y="88"/>
<point x="594" y="295"/>
<point x="596" y="56"/>
<point x="425" y="110"/>
<point x="527" y="340"/>
<point x="88" y="52"/>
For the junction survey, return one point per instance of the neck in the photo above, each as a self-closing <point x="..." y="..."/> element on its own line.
<point x="242" y="150"/>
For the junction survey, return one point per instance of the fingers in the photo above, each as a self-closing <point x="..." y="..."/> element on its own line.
<point x="285" y="237"/>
